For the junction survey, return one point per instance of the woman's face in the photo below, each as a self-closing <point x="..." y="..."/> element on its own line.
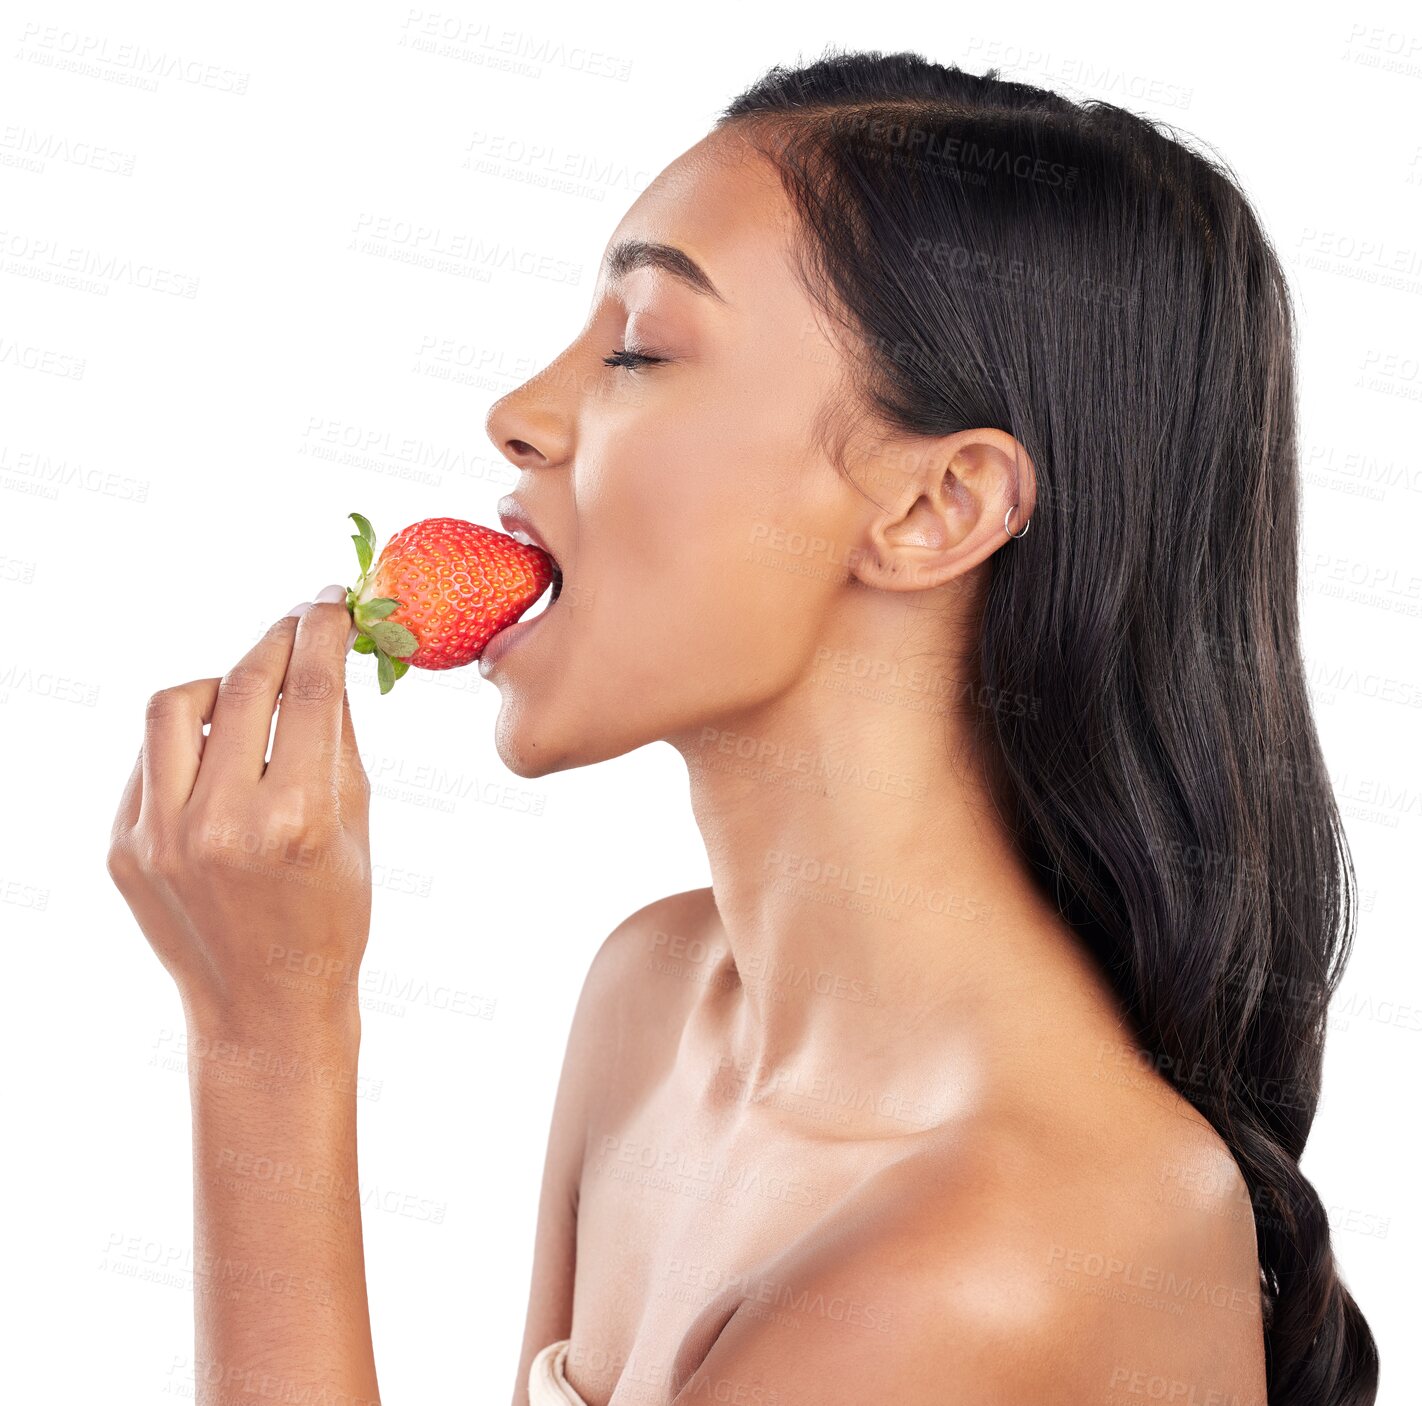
<point x="665" y="490"/>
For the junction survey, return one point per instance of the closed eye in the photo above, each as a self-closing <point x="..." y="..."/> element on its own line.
<point x="631" y="360"/>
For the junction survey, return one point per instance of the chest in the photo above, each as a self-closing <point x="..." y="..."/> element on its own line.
<point x="684" y="1216"/>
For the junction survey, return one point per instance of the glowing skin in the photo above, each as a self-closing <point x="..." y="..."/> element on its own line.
<point x="860" y="1122"/>
<point x="725" y="585"/>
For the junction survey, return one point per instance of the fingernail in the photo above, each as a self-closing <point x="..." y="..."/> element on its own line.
<point x="331" y="595"/>
<point x="299" y="609"/>
<point x="351" y="637"/>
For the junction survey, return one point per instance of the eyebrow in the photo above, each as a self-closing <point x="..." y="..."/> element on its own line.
<point x="629" y="254"/>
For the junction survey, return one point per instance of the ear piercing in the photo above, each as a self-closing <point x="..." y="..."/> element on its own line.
<point x="1007" y="525"/>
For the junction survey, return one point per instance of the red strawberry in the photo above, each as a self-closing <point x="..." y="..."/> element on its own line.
<point x="440" y="591"/>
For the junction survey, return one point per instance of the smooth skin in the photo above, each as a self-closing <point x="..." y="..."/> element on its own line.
<point x="251" y="879"/>
<point x="859" y="1122"/>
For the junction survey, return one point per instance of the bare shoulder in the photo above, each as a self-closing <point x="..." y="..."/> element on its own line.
<point x="1021" y="1259"/>
<point x="664" y="924"/>
<point x="649" y="945"/>
<point x="633" y="1002"/>
<point x="612" y="1013"/>
<point x="613" y="1018"/>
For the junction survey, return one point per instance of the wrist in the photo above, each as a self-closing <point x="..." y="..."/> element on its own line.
<point x="323" y="1014"/>
<point x="274" y="1049"/>
<point x="278" y="983"/>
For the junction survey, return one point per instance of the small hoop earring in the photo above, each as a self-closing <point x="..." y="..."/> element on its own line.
<point x="1007" y="525"/>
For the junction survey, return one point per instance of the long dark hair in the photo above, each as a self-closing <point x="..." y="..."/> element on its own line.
<point x="1074" y="274"/>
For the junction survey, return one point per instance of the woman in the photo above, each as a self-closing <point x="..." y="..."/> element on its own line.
<point x="925" y="474"/>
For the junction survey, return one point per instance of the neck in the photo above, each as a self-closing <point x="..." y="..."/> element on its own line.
<point x="874" y="905"/>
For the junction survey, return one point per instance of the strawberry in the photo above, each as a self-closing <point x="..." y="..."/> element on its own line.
<point x="440" y="591"/>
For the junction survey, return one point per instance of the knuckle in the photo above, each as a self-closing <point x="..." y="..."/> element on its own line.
<point x="119" y="862"/>
<point x="250" y="842"/>
<point x="166" y="703"/>
<point x="310" y="683"/>
<point x="291" y="815"/>
<point x="202" y="836"/>
<point x="205" y="837"/>
<point x="245" y="681"/>
<point x="145" y="853"/>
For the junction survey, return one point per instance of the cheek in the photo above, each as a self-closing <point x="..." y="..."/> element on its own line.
<point x="685" y="524"/>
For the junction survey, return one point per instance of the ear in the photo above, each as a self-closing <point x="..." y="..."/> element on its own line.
<point x="941" y="507"/>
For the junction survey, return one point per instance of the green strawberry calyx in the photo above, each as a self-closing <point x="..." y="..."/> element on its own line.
<point x="391" y="642"/>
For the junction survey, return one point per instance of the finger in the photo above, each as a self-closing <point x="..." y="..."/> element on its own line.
<point x="236" y="747"/>
<point x="307" y="745"/>
<point x="354" y="781"/>
<point x="131" y="802"/>
<point x="172" y="745"/>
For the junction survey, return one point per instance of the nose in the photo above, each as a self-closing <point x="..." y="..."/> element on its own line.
<point x="528" y="429"/>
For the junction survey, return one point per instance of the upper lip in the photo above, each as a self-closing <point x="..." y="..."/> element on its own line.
<point x="515" y="517"/>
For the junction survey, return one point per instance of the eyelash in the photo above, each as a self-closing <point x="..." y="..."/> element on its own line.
<point x="631" y="360"/>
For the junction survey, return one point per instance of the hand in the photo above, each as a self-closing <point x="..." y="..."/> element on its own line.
<point x="251" y="878"/>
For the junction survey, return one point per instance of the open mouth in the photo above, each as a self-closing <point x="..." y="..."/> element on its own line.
<point x="550" y="595"/>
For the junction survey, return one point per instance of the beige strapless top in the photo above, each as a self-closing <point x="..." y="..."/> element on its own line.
<point x="547" y="1386"/>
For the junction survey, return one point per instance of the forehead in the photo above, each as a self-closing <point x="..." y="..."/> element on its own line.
<point x="721" y="202"/>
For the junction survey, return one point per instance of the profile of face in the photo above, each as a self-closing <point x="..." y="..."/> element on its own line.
<point x="710" y="548"/>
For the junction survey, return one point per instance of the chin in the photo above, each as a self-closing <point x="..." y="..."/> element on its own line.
<point x="530" y="747"/>
<point x="521" y="747"/>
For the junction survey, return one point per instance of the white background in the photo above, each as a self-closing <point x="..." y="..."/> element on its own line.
<point x="168" y="499"/>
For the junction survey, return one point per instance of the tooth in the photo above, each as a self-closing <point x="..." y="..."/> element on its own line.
<point x="519" y="535"/>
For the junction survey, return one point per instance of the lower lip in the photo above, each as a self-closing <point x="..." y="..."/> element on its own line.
<point x="507" y="638"/>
